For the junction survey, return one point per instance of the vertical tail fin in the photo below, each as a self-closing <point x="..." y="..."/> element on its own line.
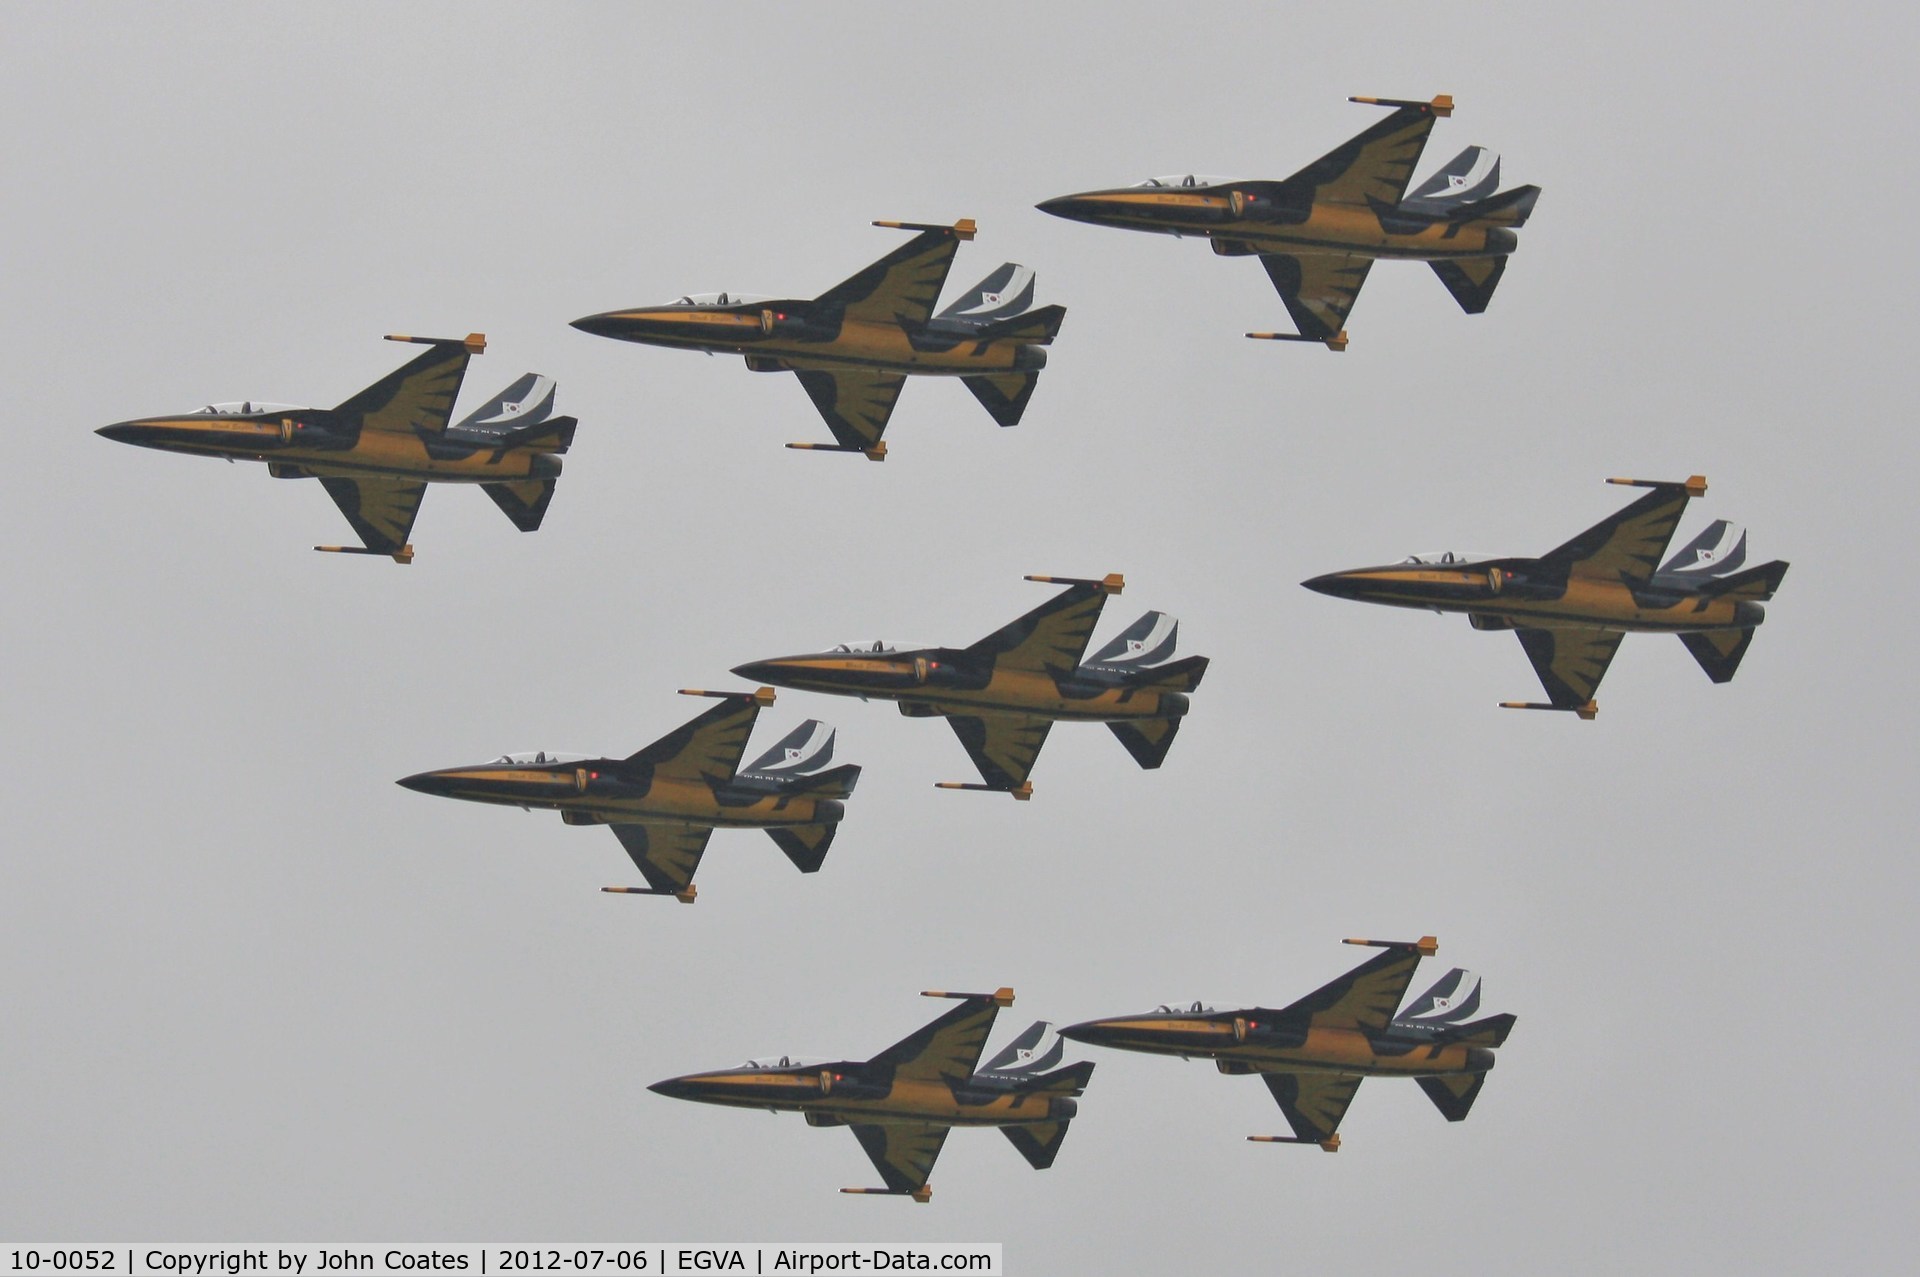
<point x="807" y="748"/>
<point x="1719" y="550"/>
<point x="1472" y="175"/>
<point x="1148" y="641"/>
<point x="1452" y="1000"/>
<point x="1033" y="1051"/>
<point x="1001" y="295"/>
<point x="525" y="402"/>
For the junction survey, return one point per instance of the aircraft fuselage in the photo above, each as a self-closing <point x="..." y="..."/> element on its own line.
<point x="310" y="443"/>
<point x="945" y="681"/>
<point x="1242" y="1043"/>
<point x="844" y="1092"/>
<point x="1242" y="220"/>
<point x="781" y="336"/>
<point x="592" y="792"/>
<point x="1514" y="591"/>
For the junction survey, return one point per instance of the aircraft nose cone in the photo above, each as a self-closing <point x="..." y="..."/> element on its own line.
<point x="673" y="1088"/>
<point x="1071" y="207"/>
<point x="119" y="432"/>
<point x="1338" y="584"/>
<point x="598" y="325"/>
<point x="425" y="783"/>
<point x="759" y="671"/>
<point x="1092" y="1032"/>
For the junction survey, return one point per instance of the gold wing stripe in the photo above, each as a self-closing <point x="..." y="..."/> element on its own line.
<point x="945" y="1050"/>
<point x="665" y="855"/>
<point x="1628" y="545"/>
<point x="381" y="510"/>
<point x="1364" y="998"/>
<point x="1313" y="1103"/>
<point x="856" y="404"/>
<point x="902" y="286"/>
<point x="708" y="747"/>
<point x="418" y="396"/>
<point x="1375" y="165"/>
<point x="1003" y="746"/>
<point x="1319" y="289"/>
<point x="903" y="1152"/>
<point x="1570" y="663"/>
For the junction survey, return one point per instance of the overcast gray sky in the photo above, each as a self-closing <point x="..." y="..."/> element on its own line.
<point x="251" y="990"/>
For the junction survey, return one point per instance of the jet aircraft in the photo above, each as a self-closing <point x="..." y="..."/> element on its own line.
<point x="665" y="801"/>
<point x="376" y="453"/>
<point x="854" y="346"/>
<point x="1004" y="693"/>
<point x="1571" y="607"/>
<point x="903" y="1101"/>
<point x="1312" y="1055"/>
<point x="1320" y="231"/>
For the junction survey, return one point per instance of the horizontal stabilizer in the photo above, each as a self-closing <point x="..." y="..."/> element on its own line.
<point x="1175" y="676"/>
<point x="1508" y="208"/>
<point x="805" y="845"/>
<point x="1472" y="175"/>
<point x="1004" y="395"/>
<point x="835" y="782"/>
<point x="807" y="748"/>
<point x="554" y="435"/>
<point x="1453" y="1094"/>
<point x="1147" y="642"/>
<point x="1719" y="651"/>
<point x="1489" y="1032"/>
<point x="1755" y="583"/>
<point x="524" y="501"/>
<point x="1471" y="280"/>
<point x="1033" y="1051"/>
<point x="1001" y="295"/>
<point x="1036" y="326"/>
<point x="525" y="402"/>
<point x="1071" y="1080"/>
<point x="1720" y="550"/>
<point x="1147" y="739"/>
<point x="1038" y="1143"/>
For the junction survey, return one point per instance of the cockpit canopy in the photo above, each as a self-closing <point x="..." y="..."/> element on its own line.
<point x="876" y="647"/>
<point x="247" y="408"/>
<point x="785" y="1062"/>
<point x="1184" y="179"/>
<point x="1187" y="1008"/>
<point x="541" y="756"/>
<point x="1448" y="558"/>
<point x="720" y="299"/>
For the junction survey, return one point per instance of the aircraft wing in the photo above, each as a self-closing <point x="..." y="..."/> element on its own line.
<point x="705" y="748"/>
<point x="947" y="1049"/>
<point x="1374" y="166"/>
<point x="856" y="403"/>
<point x="901" y="287"/>
<point x="903" y="1152"/>
<point x="665" y="855"/>
<point x="1364" y="998"/>
<point x="1053" y="637"/>
<point x="1628" y="545"/>
<point x="1313" y="1103"/>
<point x="1570" y="663"/>
<point x="1318" y="288"/>
<point x="381" y="510"/>
<point x="416" y="397"/>
<point x="1002" y="746"/>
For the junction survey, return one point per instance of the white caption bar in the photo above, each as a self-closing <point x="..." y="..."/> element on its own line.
<point x="653" y="1259"/>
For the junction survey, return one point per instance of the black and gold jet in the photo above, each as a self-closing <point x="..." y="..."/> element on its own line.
<point x="1003" y="694"/>
<point x="1312" y="1055"/>
<point x="1571" y="607"/>
<point x="376" y="453"/>
<point x="854" y="346"/>
<point x="1320" y="231"/>
<point x="665" y="801"/>
<point x="902" y="1102"/>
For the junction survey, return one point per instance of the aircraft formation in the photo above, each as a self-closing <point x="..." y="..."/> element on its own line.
<point x="852" y="348"/>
